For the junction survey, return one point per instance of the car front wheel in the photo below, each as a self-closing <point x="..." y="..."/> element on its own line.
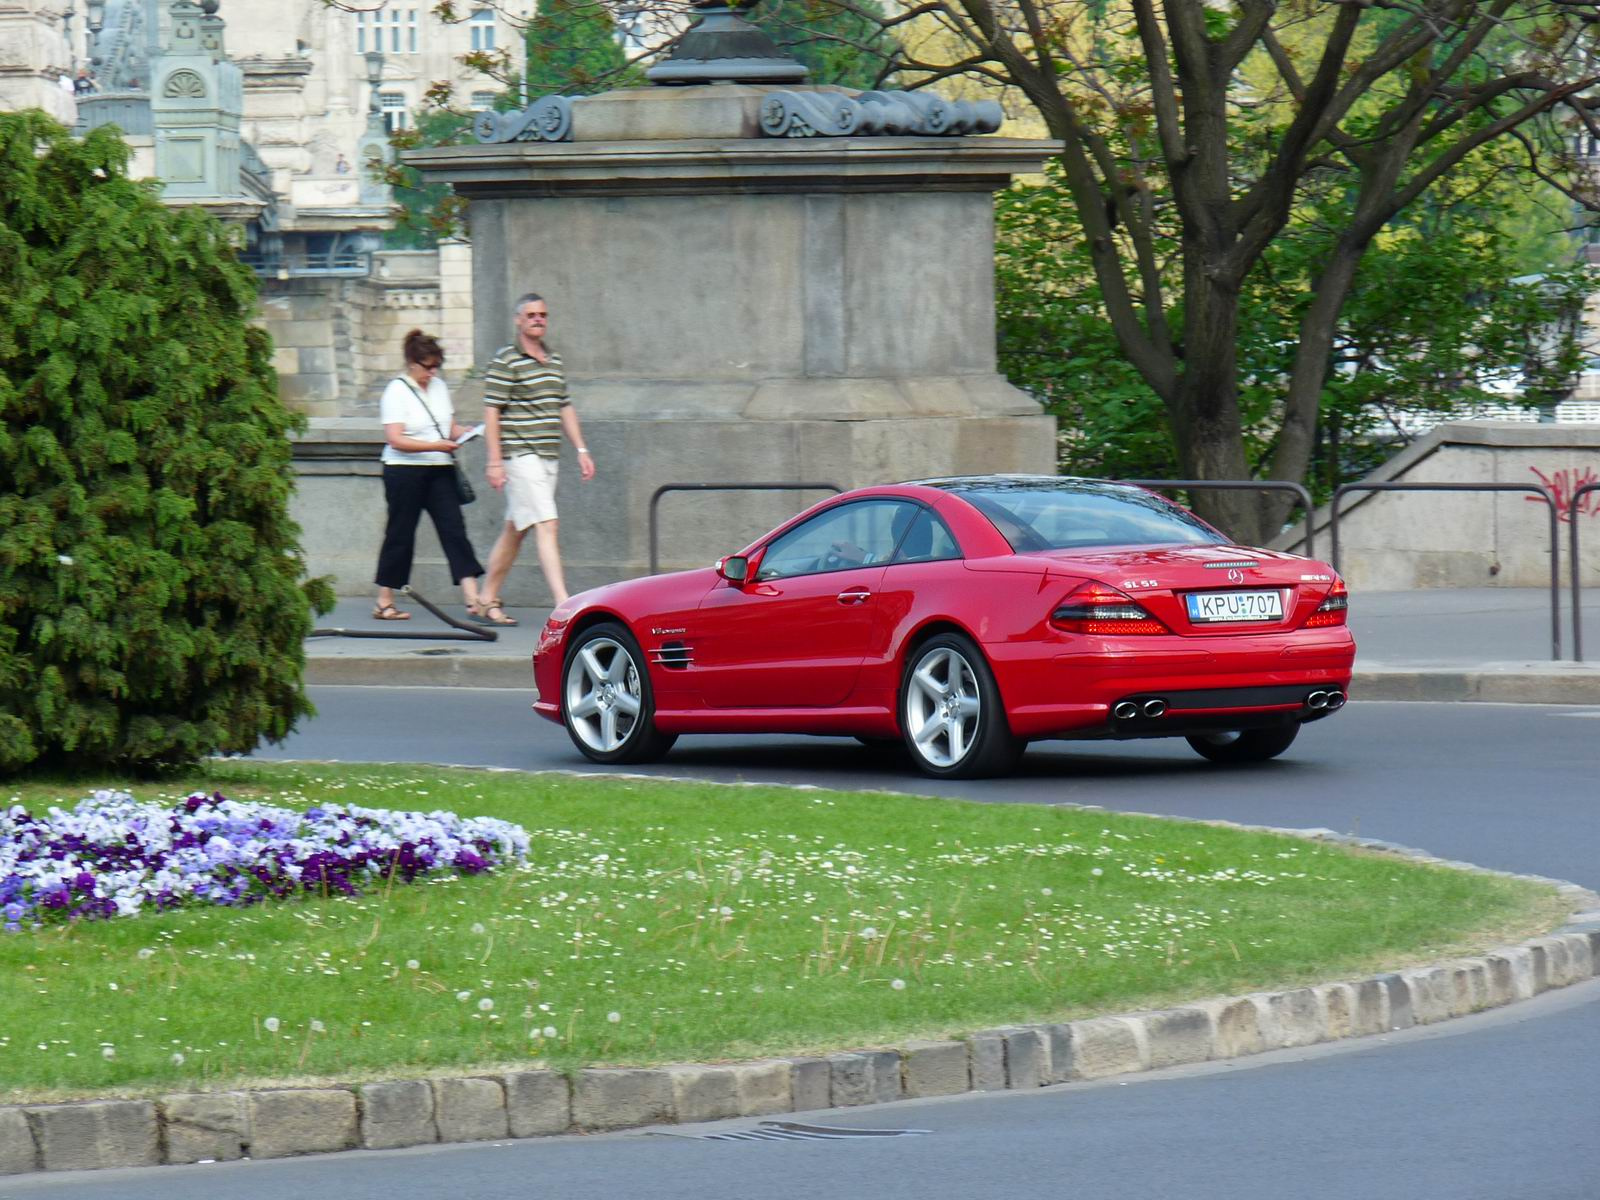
<point x="951" y="715"/>
<point x="1245" y="746"/>
<point x="606" y="701"/>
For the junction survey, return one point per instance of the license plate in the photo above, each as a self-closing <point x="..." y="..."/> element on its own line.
<point x="1210" y="607"/>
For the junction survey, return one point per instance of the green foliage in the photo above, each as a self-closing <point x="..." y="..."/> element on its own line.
<point x="573" y="50"/>
<point x="1456" y="305"/>
<point x="151" y="609"/>
<point x="840" y="46"/>
<point x="428" y="211"/>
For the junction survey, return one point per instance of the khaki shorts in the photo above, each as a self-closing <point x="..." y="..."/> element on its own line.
<point x="531" y="489"/>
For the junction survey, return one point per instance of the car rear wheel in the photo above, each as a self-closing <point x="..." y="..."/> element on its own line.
<point x="1245" y="746"/>
<point x="606" y="701"/>
<point x="951" y="716"/>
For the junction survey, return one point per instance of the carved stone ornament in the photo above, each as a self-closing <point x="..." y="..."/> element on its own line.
<point x="184" y="85"/>
<point x="869" y="114"/>
<point x="548" y="119"/>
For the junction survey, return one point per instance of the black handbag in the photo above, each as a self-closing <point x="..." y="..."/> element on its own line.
<point x="464" y="493"/>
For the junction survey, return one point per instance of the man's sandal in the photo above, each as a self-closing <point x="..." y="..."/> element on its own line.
<point x="486" y="610"/>
<point x="388" y="612"/>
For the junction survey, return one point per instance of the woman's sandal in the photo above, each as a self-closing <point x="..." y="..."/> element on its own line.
<point x="483" y="613"/>
<point x="388" y="612"/>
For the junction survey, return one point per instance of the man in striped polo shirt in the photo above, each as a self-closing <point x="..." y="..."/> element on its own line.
<point x="526" y="410"/>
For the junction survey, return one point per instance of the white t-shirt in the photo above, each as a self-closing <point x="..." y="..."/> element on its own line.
<point x="400" y="405"/>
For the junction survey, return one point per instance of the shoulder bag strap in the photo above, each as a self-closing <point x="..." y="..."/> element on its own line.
<point x="443" y="436"/>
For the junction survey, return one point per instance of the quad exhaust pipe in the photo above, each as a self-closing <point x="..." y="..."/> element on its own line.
<point x="1125" y="710"/>
<point x="1329" y="700"/>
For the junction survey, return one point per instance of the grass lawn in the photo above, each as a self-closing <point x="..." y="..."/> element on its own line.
<point x="660" y="922"/>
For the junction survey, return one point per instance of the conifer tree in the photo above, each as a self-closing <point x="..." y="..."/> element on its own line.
<point x="152" y="607"/>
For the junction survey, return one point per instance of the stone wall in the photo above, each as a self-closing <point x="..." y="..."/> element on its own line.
<point x="337" y="340"/>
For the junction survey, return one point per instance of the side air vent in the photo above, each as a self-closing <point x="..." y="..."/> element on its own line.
<point x="675" y="656"/>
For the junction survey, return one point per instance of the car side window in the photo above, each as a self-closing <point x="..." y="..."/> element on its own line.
<point x="851" y="535"/>
<point x="928" y="540"/>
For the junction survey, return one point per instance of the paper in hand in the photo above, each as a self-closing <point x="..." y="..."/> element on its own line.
<point x="475" y="431"/>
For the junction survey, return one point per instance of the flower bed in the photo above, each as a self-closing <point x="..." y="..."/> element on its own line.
<point x="111" y="856"/>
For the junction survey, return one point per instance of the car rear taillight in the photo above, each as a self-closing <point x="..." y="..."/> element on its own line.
<point x="1097" y="608"/>
<point x="1333" y="610"/>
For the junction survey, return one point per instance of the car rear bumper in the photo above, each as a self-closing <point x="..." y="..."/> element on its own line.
<point x="1075" y="693"/>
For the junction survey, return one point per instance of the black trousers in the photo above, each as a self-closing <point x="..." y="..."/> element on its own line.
<point x="410" y="491"/>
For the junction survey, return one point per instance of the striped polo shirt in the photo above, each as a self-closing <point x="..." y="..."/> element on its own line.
<point x="530" y="396"/>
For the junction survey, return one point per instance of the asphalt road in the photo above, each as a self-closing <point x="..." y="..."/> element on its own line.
<point x="1503" y="1104"/>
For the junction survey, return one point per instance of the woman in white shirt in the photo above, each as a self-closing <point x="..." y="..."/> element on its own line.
<point x="420" y="432"/>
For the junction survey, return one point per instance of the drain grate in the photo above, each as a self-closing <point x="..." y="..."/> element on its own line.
<point x="791" y="1131"/>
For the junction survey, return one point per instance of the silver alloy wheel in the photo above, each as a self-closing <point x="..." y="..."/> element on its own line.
<point x="943" y="707"/>
<point x="604" y="694"/>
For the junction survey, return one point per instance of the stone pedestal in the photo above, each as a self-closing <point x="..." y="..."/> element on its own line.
<point x="740" y="308"/>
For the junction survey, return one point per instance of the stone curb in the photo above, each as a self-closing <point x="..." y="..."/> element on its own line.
<point x="278" y="1122"/>
<point x="1552" y="683"/>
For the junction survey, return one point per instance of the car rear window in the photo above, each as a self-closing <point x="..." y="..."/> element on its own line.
<point x="1047" y="518"/>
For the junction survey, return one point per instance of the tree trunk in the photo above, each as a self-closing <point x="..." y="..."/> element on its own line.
<point x="1205" y="405"/>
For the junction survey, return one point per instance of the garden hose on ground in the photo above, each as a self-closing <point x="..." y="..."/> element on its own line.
<point x="468" y="633"/>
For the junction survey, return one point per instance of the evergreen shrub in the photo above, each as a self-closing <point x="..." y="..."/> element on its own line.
<point x="152" y="601"/>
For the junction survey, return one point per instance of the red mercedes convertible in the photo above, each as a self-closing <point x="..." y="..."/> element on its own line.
<point x="963" y="618"/>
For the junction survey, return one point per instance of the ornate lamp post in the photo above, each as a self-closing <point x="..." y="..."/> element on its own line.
<point x="95" y="20"/>
<point x="373" y="150"/>
<point x="375" y="79"/>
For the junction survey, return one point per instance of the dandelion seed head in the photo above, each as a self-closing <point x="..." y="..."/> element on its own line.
<point x="485" y="1004"/>
<point x="271" y="1024"/>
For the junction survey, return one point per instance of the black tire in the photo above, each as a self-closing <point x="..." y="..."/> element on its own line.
<point x="605" y="680"/>
<point x="949" y="700"/>
<point x="1245" y="746"/>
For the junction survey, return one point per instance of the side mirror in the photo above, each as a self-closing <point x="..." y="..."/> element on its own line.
<point x="735" y="568"/>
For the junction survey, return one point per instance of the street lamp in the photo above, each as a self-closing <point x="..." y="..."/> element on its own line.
<point x="374" y="77"/>
<point x="94" y="20"/>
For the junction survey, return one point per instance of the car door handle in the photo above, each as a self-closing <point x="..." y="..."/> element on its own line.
<point x="854" y="596"/>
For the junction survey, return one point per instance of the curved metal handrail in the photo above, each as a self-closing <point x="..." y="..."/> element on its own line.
<point x="1533" y="488"/>
<point x="1575" y="565"/>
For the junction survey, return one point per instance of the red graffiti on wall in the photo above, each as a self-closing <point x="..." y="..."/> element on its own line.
<point x="1562" y="485"/>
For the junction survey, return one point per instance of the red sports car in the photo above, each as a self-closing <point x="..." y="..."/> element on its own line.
<point x="965" y="618"/>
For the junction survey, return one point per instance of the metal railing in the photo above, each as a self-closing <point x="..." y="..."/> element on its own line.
<point x="1532" y="488"/>
<point x="1575" y="565"/>
<point x="1245" y="485"/>
<point x="341" y="261"/>
<point x="655" y="501"/>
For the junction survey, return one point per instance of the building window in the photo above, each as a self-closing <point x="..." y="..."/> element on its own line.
<point x="395" y="114"/>
<point x="401" y="26"/>
<point x="482" y="101"/>
<point x="481" y="25"/>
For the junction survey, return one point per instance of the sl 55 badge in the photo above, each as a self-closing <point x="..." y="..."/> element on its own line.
<point x="1140" y="583"/>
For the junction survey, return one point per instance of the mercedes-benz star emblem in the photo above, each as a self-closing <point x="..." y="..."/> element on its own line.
<point x="1235" y="575"/>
